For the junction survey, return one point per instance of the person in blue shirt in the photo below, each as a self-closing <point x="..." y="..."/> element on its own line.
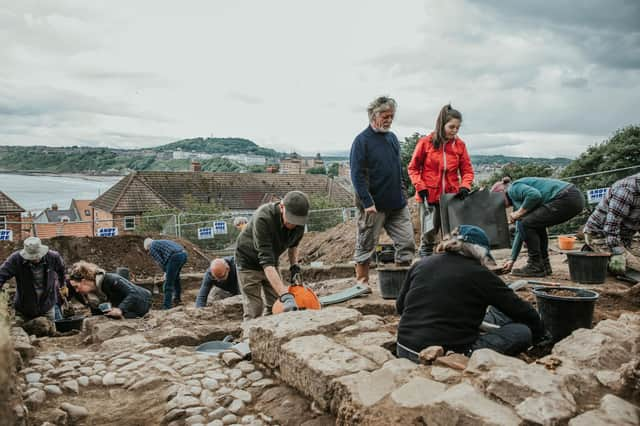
<point x="222" y="274"/>
<point x="171" y="257"/>
<point x="538" y="203"/>
<point x="376" y="174"/>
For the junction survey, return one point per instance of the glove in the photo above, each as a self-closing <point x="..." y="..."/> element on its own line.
<point x="618" y="264"/>
<point x="294" y="270"/>
<point x="462" y="193"/>
<point x="424" y="194"/>
<point x="288" y="302"/>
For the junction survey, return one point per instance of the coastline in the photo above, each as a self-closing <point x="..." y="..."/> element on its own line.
<point x="86" y="176"/>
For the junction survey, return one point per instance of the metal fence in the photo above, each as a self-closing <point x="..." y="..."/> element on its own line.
<point x="212" y="232"/>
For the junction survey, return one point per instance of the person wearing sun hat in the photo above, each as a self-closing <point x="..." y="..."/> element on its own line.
<point x="445" y="298"/>
<point x="39" y="273"/>
<point x="273" y="229"/>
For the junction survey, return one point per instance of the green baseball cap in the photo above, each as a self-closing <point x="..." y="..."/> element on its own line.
<point x="296" y="208"/>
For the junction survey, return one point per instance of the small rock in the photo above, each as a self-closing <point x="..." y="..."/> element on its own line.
<point x="174" y="414"/>
<point x="255" y="376"/>
<point x="236" y="406"/>
<point x="209" y="383"/>
<point x="241" y="382"/>
<point x="248" y="419"/>
<point x="194" y="411"/>
<point x="109" y="379"/>
<point x="455" y="361"/>
<point x="231" y="358"/>
<point x="218" y="413"/>
<point x="59" y="417"/>
<point x="224" y="390"/>
<point x="444" y="375"/>
<point x="430" y="354"/>
<point x="95" y="380"/>
<point x="120" y="362"/>
<point x="33" y="377"/>
<point x="75" y="412"/>
<point x="149" y="381"/>
<point x="83" y="381"/>
<point x="195" y="390"/>
<point x="120" y="380"/>
<point x="216" y="375"/>
<point x="36" y="399"/>
<point x="235" y="374"/>
<point x="71" y="385"/>
<point x="246" y="367"/>
<point x="263" y="383"/>
<point x="87" y="371"/>
<point x="229" y="419"/>
<point x="216" y="422"/>
<point x="242" y="395"/>
<point x="53" y="389"/>
<point x="195" y="420"/>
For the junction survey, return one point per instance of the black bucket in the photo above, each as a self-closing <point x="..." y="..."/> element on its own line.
<point x="564" y="314"/>
<point x="390" y="280"/>
<point x="588" y="267"/>
<point x="385" y="253"/>
<point x="68" y="324"/>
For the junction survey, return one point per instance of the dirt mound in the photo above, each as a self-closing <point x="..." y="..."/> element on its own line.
<point x="110" y="253"/>
<point x="336" y="245"/>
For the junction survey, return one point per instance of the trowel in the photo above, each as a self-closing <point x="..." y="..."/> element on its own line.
<point x="427" y="219"/>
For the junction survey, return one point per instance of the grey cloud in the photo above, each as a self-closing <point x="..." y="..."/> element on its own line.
<point x="576" y="83"/>
<point x="245" y="98"/>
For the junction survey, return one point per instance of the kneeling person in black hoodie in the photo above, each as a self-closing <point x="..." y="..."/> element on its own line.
<point x="127" y="299"/>
<point x="445" y="297"/>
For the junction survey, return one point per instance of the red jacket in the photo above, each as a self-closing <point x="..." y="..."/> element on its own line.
<point x="442" y="170"/>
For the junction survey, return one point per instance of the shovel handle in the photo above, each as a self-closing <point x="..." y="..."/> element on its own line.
<point x="536" y="282"/>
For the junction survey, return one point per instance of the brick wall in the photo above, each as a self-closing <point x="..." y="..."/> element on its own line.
<point x="15" y="227"/>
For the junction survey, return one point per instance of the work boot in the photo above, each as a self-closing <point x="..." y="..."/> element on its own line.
<point x="547" y="266"/>
<point x="425" y="250"/>
<point x="362" y="275"/>
<point x="530" y="270"/>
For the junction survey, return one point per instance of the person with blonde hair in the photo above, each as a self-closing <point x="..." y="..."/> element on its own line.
<point x="445" y="297"/>
<point x="240" y="223"/>
<point x="125" y="299"/>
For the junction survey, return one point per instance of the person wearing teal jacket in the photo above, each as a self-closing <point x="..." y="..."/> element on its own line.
<point x="537" y="204"/>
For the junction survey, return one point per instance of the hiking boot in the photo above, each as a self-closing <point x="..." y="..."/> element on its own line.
<point x="547" y="267"/>
<point x="529" y="270"/>
<point x="362" y="275"/>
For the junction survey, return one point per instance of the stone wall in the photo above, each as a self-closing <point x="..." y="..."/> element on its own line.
<point x="337" y="358"/>
<point x="9" y="397"/>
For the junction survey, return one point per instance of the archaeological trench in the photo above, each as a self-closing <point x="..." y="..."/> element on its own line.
<point x="333" y="366"/>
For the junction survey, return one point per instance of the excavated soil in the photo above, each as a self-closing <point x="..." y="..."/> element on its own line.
<point x="111" y="253"/>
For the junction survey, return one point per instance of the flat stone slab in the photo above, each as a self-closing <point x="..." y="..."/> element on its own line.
<point x="311" y="363"/>
<point x="268" y="334"/>
<point x="612" y="411"/>
<point x="465" y="405"/>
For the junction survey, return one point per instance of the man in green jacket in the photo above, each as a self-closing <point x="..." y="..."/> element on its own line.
<point x="538" y="203"/>
<point x="274" y="228"/>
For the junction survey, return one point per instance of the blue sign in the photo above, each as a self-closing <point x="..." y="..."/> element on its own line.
<point x="6" y="235"/>
<point x="107" y="232"/>
<point x="595" y="195"/>
<point x="205" y="233"/>
<point x="219" y="227"/>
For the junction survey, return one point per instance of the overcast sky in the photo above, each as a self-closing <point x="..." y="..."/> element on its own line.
<point x="539" y="78"/>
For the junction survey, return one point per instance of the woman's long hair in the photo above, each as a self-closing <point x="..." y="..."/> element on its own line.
<point x="446" y="114"/>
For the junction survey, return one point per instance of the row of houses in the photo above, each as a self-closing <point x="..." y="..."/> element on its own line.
<point x="123" y="205"/>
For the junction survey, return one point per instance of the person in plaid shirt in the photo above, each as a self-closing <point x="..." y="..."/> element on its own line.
<point x="171" y="257"/>
<point x="614" y="222"/>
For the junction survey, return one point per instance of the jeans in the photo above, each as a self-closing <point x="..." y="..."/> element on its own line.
<point x="533" y="226"/>
<point x="172" y="280"/>
<point x="510" y="339"/>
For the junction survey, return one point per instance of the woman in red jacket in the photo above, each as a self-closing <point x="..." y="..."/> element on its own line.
<point x="440" y="165"/>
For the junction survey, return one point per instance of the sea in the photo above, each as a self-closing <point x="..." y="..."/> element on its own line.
<point x="35" y="192"/>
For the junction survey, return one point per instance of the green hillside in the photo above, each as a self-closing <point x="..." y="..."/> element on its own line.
<point x="219" y="146"/>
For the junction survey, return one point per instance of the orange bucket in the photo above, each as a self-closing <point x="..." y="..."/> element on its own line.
<point x="566" y="243"/>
